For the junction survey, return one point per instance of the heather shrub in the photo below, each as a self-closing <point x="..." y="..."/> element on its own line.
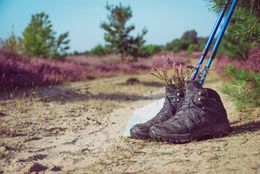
<point x="21" y="72"/>
<point x="252" y="63"/>
<point x="110" y="66"/>
<point x="173" y="72"/>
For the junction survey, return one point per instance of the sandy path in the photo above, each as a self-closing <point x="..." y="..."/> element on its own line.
<point x="77" y="128"/>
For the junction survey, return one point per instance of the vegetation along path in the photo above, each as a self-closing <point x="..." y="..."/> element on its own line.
<point x="78" y="128"/>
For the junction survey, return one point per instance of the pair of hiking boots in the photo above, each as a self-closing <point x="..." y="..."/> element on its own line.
<point x="186" y="115"/>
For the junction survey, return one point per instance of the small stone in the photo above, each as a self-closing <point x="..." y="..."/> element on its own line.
<point x="36" y="167"/>
<point x="2" y="114"/>
<point x="132" y="81"/>
<point x="56" y="168"/>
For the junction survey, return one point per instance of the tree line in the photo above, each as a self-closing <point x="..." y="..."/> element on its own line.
<point x="39" y="38"/>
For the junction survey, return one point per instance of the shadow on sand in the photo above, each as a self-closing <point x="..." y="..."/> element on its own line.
<point x="248" y="127"/>
<point x="238" y="129"/>
<point x="65" y="95"/>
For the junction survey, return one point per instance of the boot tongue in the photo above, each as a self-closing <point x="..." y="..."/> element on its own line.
<point x="192" y="87"/>
<point x="170" y="89"/>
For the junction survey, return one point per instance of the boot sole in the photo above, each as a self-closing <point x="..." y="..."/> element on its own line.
<point x="215" y="131"/>
<point x="139" y="135"/>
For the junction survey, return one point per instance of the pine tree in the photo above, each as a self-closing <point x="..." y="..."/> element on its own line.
<point x="117" y="33"/>
<point x="243" y="30"/>
<point x="39" y="39"/>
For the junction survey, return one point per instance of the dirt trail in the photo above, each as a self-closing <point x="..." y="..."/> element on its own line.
<point x="78" y="128"/>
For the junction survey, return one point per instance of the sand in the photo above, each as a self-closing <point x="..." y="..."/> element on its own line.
<point x="78" y="128"/>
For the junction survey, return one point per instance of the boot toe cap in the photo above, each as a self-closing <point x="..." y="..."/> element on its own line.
<point x="166" y="130"/>
<point x="158" y="130"/>
<point x="139" y="131"/>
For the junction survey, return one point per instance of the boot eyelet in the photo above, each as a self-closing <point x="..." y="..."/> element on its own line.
<point x="200" y="93"/>
<point x="177" y="99"/>
<point x="199" y="99"/>
<point x="178" y="94"/>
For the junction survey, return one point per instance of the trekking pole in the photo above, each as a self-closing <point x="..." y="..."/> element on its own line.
<point x="211" y="37"/>
<point x="216" y="45"/>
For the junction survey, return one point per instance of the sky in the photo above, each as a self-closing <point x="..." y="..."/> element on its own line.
<point x="165" y="19"/>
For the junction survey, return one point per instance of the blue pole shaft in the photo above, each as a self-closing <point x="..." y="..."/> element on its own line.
<point x="216" y="45"/>
<point x="211" y="37"/>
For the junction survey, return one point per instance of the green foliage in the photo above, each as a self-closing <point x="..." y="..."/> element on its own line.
<point x="192" y="48"/>
<point x="39" y="39"/>
<point x="244" y="28"/>
<point x="175" y="45"/>
<point x="244" y="88"/>
<point x="100" y="50"/>
<point x="190" y="37"/>
<point x="149" y="50"/>
<point x="188" y="42"/>
<point x="78" y="53"/>
<point x="11" y="43"/>
<point x="117" y="33"/>
<point x="241" y="35"/>
<point x="202" y="42"/>
<point x="233" y="48"/>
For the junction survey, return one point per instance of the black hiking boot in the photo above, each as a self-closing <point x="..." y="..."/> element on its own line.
<point x="172" y="97"/>
<point x="200" y="114"/>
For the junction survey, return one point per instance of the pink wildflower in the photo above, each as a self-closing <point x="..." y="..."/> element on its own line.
<point x="165" y="64"/>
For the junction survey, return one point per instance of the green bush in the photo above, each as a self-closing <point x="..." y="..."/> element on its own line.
<point x="100" y="50"/>
<point x="78" y="53"/>
<point x="190" y="37"/>
<point x="177" y="45"/>
<point x="192" y="48"/>
<point x="244" y="88"/>
<point x="188" y="42"/>
<point x="149" y="50"/>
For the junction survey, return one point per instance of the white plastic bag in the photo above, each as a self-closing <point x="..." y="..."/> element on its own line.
<point x="143" y="114"/>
